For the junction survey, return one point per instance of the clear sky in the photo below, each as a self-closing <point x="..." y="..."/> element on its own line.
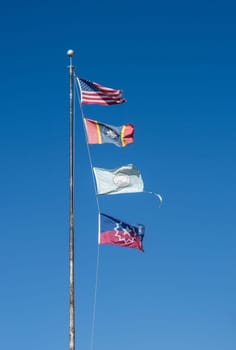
<point x="176" y="63"/>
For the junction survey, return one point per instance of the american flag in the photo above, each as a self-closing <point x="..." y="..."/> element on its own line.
<point x="94" y="93"/>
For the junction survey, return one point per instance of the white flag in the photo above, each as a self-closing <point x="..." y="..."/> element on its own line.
<point x="125" y="179"/>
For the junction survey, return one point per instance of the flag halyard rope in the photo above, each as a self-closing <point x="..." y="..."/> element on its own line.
<point x="98" y="209"/>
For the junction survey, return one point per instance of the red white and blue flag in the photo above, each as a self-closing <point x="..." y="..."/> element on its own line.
<point x="94" y="93"/>
<point x="117" y="232"/>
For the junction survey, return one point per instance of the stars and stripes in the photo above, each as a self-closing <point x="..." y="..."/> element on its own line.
<point x="94" y="93"/>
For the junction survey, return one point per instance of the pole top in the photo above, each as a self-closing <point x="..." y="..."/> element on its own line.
<point x="70" y="53"/>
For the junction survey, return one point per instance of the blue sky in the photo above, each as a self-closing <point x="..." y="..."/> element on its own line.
<point x="176" y="65"/>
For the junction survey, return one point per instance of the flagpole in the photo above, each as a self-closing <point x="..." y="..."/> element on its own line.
<point x="70" y="54"/>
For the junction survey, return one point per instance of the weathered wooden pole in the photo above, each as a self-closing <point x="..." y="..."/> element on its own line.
<point x="70" y="53"/>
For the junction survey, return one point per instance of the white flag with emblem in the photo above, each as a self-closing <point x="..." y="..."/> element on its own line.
<point x="125" y="179"/>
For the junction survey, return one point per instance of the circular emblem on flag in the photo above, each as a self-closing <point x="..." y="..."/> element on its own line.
<point x="121" y="180"/>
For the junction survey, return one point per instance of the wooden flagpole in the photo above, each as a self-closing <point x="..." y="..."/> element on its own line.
<point x="70" y="54"/>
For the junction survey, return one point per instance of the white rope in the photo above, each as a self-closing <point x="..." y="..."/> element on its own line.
<point x="98" y="208"/>
<point x="156" y="195"/>
<point x="95" y="300"/>
<point x="88" y="150"/>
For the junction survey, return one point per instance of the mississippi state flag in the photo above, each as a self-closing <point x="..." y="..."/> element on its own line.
<point x="98" y="133"/>
<point x="116" y="232"/>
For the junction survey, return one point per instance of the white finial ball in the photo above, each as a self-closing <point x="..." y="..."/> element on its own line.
<point x="70" y="53"/>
